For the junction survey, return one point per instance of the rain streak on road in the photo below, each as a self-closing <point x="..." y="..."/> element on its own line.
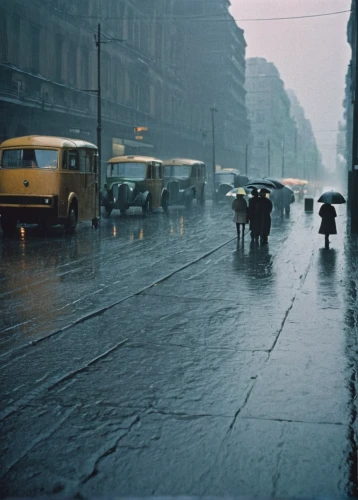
<point x="155" y="356"/>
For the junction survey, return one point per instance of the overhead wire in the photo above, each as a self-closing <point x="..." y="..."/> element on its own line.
<point x="215" y="18"/>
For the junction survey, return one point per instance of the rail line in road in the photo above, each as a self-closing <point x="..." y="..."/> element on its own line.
<point x="25" y="400"/>
<point x="102" y="310"/>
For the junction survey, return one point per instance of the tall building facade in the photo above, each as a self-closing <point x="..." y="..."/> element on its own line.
<point x="283" y="140"/>
<point x="161" y="70"/>
<point x="273" y="128"/>
<point x="307" y="159"/>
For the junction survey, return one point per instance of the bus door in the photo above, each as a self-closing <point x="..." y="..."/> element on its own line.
<point x="87" y="158"/>
<point x="155" y="182"/>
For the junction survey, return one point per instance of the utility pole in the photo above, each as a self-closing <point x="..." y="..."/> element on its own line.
<point x="353" y="191"/>
<point x="99" y="115"/>
<point x="213" y="111"/>
<point x="283" y="159"/>
<point x="268" y="157"/>
<point x="246" y="159"/>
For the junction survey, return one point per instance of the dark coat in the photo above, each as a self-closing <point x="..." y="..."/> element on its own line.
<point x="252" y="214"/>
<point x="264" y="209"/>
<point x="328" y="224"/>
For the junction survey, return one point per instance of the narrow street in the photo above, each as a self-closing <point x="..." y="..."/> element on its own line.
<point x="156" y="356"/>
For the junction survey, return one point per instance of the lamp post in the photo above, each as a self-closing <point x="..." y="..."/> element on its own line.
<point x="268" y="157"/>
<point x="213" y="111"/>
<point x="246" y="159"/>
<point x="99" y="41"/>
<point x="99" y="114"/>
<point x="283" y="159"/>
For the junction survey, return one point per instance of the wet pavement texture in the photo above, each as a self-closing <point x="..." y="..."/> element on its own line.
<point x="156" y="356"/>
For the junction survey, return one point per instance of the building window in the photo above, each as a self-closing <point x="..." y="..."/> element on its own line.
<point x="16" y="39"/>
<point x="84" y="68"/>
<point x="3" y="36"/>
<point x="35" y="48"/>
<point x="72" y="64"/>
<point x="58" y="58"/>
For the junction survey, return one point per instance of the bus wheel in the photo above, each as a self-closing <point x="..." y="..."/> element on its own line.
<point x="147" y="207"/>
<point x="8" y="225"/>
<point x="71" y="220"/>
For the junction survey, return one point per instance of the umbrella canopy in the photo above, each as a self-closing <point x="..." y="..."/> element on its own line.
<point x="294" y="182"/>
<point x="261" y="183"/>
<point x="259" y="186"/>
<point x="331" y="197"/>
<point x="233" y="192"/>
<point x="241" y="180"/>
<point x="277" y="183"/>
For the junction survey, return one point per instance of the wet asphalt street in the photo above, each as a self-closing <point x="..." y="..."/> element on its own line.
<point x="155" y="356"/>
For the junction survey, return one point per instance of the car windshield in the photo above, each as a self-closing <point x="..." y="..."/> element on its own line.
<point x="177" y="171"/>
<point x="129" y="170"/>
<point x="224" y="178"/>
<point x="29" y="158"/>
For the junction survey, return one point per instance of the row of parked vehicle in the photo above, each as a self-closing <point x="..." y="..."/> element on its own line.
<point x="142" y="181"/>
<point x="53" y="180"/>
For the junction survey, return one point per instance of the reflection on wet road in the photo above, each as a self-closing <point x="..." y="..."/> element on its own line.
<point x="158" y="356"/>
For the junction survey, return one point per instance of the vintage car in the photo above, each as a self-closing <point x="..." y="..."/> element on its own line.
<point x="134" y="181"/>
<point x="226" y="180"/>
<point x="185" y="181"/>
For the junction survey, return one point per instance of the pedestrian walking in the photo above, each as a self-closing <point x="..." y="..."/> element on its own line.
<point x="252" y="215"/>
<point x="239" y="206"/>
<point x="264" y="209"/>
<point x="328" y="224"/>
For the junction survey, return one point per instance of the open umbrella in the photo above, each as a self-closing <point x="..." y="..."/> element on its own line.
<point x="294" y="182"/>
<point x="331" y="197"/>
<point x="278" y="184"/>
<point x="261" y="183"/>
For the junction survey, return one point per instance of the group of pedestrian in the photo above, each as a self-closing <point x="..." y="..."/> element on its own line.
<point x="257" y="214"/>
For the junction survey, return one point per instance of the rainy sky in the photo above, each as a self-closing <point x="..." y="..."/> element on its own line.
<point x="312" y="56"/>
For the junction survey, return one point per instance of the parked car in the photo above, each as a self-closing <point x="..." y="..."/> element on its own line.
<point x="134" y="181"/>
<point x="225" y="181"/>
<point x="185" y="181"/>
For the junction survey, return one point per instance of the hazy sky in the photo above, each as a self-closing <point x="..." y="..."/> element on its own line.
<point x="312" y="56"/>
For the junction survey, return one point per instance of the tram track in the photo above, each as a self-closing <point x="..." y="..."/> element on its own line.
<point x="20" y="351"/>
<point x="24" y="349"/>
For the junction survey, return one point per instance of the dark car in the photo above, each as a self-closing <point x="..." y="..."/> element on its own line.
<point x="185" y="181"/>
<point x="134" y="181"/>
<point x="225" y="181"/>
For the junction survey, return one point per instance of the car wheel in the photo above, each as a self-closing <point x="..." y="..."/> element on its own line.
<point x="71" y="220"/>
<point x="147" y="207"/>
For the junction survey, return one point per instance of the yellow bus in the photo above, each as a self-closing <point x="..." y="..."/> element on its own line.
<point x="47" y="180"/>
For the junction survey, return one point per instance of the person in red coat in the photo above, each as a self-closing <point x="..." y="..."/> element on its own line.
<point x="328" y="224"/>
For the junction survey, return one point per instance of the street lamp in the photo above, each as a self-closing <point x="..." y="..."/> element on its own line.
<point x="97" y="91"/>
<point x="213" y="111"/>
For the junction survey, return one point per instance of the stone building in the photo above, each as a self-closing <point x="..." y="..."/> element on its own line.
<point x="159" y="70"/>
<point x="307" y="160"/>
<point x="272" y="126"/>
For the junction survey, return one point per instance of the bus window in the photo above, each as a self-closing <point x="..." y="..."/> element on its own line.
<point x="64" y="159"/>
<point x="73" y="160"/>
<point x="151" y="171"/>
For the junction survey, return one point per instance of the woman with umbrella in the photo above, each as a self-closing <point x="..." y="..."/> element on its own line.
<point x="239" y="206"/>
<point x="328" y="214"/>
